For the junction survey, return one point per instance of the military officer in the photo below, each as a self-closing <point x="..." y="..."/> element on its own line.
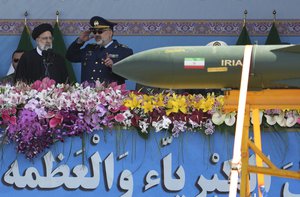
<point x="97" y="59"/>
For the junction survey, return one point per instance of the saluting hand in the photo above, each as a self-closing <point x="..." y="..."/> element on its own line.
<point x="108" y="61"/>
<point x="84" y="36"/>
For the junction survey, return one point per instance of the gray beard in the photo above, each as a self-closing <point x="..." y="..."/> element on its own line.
<point x="100" y="42"/>
<point x="45" y="47"/>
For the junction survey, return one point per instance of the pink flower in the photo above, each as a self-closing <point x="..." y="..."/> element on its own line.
<point x="56" y="120"/>
<point x="113" y="85"/>
<point x="50" y="114"/>
<point x="123" y="108"/>
<point x="36" y="85"/>
<point x="48" y="82"/>
<point x="42" y="85"/>
<point x="119" y="117"/>
<point x="13" y="111"/>
<point x="5" y="116"/>
<point x="298" y="121"/>
<point x="13" y="120"/>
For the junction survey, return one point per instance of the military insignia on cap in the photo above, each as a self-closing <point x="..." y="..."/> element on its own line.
<point x="96" y="23"/>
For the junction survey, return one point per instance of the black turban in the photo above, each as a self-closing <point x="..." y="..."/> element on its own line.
<point x="41" y="29"/>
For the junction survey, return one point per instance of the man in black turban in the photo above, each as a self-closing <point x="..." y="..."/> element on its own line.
<point x="42" y="61"/>
<point x="97" y="59"/>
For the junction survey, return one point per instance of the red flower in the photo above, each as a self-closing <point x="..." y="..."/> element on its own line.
<point x="119" y="117"/>
<point x="5" y="116"/>
<point x="56" y="120"/>
<point x="135" y="120"/>
<point x="13" y="120"/>
<point x="8" y="116"/>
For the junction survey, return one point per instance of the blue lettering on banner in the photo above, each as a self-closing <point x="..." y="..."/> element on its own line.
<point x="120" y="163"/>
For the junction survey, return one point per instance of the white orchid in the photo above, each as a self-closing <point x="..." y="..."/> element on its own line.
<point x="292" y="118"/>
<point x="143" y="125"/>
<point x="157" y="125"/>
<point x="218" y="118"/>
<point x="166" y="122"/>
<point x="230" y="119"/>
<point x="280" y="119"/>
<point x="270" y="119"/>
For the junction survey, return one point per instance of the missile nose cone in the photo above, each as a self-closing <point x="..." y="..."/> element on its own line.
<point x="144" y="67"/>
<point x="124" y="67"/>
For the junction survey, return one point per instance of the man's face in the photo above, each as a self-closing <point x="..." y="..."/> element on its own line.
<point x="44" y="41"/>
<point x="102" y="36"/>
<point x="15" y="59"/>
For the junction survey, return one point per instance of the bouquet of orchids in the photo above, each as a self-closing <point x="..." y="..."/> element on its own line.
<point x="36" y="116"/>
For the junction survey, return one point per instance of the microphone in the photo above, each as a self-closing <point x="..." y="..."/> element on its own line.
<point x="48" y="59"/>
<point x="48" y="55"/>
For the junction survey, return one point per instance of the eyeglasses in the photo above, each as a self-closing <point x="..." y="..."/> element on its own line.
<point x="46" y="38"/>
<point x="16" y="60"/>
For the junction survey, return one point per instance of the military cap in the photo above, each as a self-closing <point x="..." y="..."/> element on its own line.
<point x="98" y="22"/>
<point x="41" y="29"/>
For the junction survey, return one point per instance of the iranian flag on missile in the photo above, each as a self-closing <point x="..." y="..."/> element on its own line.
<point x="194" y="63"/>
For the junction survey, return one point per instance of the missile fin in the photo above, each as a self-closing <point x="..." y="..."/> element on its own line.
<point x="289" y="48"/>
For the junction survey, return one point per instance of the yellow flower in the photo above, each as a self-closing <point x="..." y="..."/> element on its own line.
<point x="196" y="102"/>
<point x="175" y="104"/>
<point x="132" y="102"/>
<point x="147" y="106"/>
<point x="220" y="99"/>
<point x="182" y="104"/>
<point x="208" y="103"/>
<point x="147" y="98"/>
<point x="171" y="107"/>
<point x="159" y="100"/>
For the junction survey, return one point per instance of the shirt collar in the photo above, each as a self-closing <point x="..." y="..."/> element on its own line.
<point x="39" y="51"/>
<point x="106" y="46"/>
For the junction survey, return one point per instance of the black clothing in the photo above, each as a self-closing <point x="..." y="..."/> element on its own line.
<point x="91" y="58"/>
<point x="33" y="66"/>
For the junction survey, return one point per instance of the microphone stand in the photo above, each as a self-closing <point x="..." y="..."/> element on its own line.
<point x="48" y="58"/>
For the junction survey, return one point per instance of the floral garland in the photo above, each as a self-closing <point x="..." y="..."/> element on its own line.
<point x="35" y="116"/>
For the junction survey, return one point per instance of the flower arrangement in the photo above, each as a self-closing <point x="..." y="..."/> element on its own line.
<point x="36" y="116"/>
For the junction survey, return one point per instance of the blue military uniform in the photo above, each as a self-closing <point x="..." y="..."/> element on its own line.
<point x="91" y="58"/>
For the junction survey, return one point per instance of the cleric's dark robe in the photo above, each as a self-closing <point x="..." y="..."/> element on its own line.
<point x="32" y="67"/>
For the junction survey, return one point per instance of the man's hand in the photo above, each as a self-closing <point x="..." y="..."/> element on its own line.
<point x="108" y="61"/>
<point x="84" y="36"/>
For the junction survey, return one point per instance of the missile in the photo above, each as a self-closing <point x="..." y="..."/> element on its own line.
<point x="213" y="67"/>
